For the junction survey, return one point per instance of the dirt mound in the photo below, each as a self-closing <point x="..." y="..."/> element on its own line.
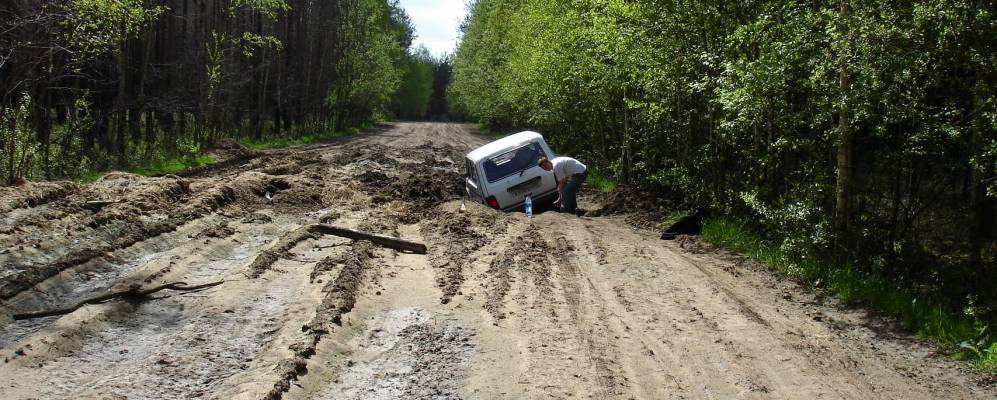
<point x="167" y="196"/>
<point x="226" y="149"/>
<point x="31" y="194"/>
<point x="373" y="179"/>
<point x="420" y="186"/>
<point x="255" y="189"/>
<point x="382" y="159"/>
<point x="283" y="169"/>
<point x="227" y="153"/>
<point x="640" y="208"/>
<point x="373" y="155"/>
<point x="267" y="258"/>
<point x="427" y="187"/>
<point x="129" y="234"/>
<point x="439" y="153"/>
<point x="297" y="193"/>
<point x="135" y="196"/>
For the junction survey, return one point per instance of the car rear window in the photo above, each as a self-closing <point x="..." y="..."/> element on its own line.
<point x="513" y="161"/>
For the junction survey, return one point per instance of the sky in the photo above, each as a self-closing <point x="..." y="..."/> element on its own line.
<point x="436" y="23"/>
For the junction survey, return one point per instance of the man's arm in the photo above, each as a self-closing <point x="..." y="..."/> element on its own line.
<point x="560" y="189"/>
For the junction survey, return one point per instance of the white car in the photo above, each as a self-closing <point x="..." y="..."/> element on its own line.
<point x="501" y="173"/>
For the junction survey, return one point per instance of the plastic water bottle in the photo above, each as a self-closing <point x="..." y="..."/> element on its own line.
<point x="529" y="205"/>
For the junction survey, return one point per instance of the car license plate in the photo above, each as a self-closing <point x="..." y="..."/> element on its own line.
<point x="524" y="187"/>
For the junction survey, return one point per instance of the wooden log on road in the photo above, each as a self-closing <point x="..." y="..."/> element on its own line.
<point x="386" y="241"/>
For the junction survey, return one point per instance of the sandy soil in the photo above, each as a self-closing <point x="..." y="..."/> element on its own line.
<point x="503" y="306"/>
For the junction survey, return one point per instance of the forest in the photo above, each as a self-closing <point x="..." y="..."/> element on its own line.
<point x="93" y="85"/>
<point x="856" y="138"/>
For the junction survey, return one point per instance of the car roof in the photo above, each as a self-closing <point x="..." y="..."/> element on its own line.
<point x="507" y="143"/>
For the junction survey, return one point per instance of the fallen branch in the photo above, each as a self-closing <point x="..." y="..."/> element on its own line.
<point x="134" y="292"/>
<point x="98" y="204"/>
<point x="386" y="241"/>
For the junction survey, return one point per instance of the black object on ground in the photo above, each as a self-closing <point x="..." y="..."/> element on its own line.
<point x="690" y="224"/>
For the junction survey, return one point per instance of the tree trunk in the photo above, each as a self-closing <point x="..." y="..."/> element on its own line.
<point x="625" y="158"/>
<point x="981" y="208"/>
<point x="140" y="104"/>
<point x="843" y="189"/>
<point x="119" y="125"/>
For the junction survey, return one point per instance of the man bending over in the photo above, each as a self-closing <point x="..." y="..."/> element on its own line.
<point x="569" y="175"/>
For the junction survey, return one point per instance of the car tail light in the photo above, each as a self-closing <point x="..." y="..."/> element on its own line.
<point x="492" y="202"/>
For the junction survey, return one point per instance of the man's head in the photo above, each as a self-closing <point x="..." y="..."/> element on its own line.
<point x="545" y="164"/>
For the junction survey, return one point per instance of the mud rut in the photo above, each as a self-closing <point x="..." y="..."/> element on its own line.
<point x="501" y="307"/>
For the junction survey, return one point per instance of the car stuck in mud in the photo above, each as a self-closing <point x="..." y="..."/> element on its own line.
<point x="503" y="173"/>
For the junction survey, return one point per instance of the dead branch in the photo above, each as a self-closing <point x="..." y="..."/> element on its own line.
<point x="386" y="241"/>
<point x="135" y="292"/>
<point x="98" y="204"/>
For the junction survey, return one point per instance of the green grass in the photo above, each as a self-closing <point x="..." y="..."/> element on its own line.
<point x="672" y="218"/>
<point x="488" y="132"/>
<point x="600" y="181"/>
<point x="173" y="165"/>
<point x="155" y="168"/>
<point x="267" y="143"/>
<point x="965" y="337"/>
<point x="90" y="177"/>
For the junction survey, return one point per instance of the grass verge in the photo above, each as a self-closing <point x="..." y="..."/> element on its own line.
<point x="600" y="181"/>
<point x="156" y="168"/>
<point x="170" y="166"/>
<point x="964" y="337"/>
<point x="486" y="131"/>
<point x="267" y="143"/>
<point x="174" y="165"/>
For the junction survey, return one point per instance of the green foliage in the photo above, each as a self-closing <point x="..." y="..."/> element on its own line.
<point x="964" y="335"/>
<point x="374" y="40"/>
<point x="93" y="27"/>
<point x="120" y="84"/>
<point x="740" y="106"/>
<point x="173" y="165"/>
<point x="488" y="132"/>
<point x="69" y="158"/>
<point x="159" y="163"/>
<point x="268" y="8"/>
<point x="600" y="181"/>
<point x="17" y="142"/>
<point x="672" y="218"/>
<point x="412" y="99"/>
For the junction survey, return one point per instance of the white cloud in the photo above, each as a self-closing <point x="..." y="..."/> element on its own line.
<point x="437" y="23"/>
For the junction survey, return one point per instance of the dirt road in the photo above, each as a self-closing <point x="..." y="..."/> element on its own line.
<point x="502" y="307"/>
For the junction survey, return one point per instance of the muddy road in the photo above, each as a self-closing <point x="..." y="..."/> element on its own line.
<point x="502" y="307"/>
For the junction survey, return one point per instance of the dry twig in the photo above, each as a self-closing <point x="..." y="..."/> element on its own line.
<point x="134" y="292"/>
